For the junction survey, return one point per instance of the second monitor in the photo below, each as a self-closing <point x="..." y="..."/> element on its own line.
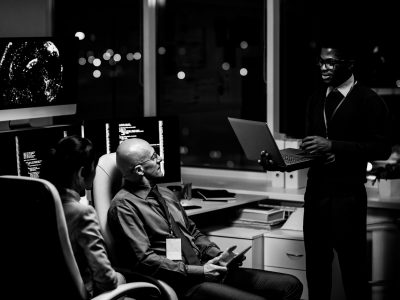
<point x="161" y="132"/>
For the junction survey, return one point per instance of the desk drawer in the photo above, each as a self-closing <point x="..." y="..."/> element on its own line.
<point x="284" y="253"/>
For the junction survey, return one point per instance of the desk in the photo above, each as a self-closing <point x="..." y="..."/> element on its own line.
<point x="212" y="206"/>
<point x="257" y="183"/>
<point x="382" y="225"/>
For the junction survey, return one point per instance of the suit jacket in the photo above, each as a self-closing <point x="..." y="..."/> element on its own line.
<point x="359" y="131"/>
<point x="88" y="244"/>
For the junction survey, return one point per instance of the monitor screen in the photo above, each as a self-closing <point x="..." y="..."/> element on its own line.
<point x="38" y="77"/>
<point x="25" y="150"/>
<point x="161" y="132"/>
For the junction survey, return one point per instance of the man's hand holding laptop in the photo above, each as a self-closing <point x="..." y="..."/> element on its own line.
<point x="318" y="145"/>
<point x="314" y="145"/>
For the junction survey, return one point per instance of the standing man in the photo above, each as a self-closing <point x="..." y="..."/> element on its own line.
<point x="154" y="236"/>
<point x="347" y="123"/>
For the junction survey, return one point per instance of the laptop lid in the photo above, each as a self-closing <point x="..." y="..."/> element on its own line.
<point x="255" y="136"/>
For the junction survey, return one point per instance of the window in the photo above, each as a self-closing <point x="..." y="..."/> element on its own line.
<point x="110" y="39"/>
<point x="210" y="65"/>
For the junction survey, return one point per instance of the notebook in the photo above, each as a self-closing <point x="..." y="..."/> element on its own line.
<point x="255" y="136"/>
<point x="213" y="195"/>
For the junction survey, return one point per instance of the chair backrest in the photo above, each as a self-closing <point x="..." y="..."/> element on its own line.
<point x="37" y="256"/>
<point x="106" y="184"/>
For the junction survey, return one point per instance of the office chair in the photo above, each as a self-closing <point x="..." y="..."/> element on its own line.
<point x="37" y="261"/>
<point x="106" y="184"/>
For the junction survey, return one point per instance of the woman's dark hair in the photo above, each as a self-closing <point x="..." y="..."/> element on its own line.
<point x="70" y="154"/>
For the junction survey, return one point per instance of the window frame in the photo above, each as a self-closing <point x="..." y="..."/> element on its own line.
<point x="271" y="74"/>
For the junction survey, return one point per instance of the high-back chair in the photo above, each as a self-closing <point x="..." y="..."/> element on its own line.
<point x="107" y="182"/>
<point x="37" y="261"/>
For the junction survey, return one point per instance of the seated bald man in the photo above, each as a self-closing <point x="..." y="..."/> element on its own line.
<point x="154" y="236"/>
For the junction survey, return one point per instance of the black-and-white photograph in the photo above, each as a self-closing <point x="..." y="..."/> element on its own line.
<point x="200" y="149"/>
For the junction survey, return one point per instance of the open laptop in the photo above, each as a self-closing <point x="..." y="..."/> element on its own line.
<point x="255" y="136"/>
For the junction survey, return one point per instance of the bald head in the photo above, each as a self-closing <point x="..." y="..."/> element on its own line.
<point x="136" y="159"/>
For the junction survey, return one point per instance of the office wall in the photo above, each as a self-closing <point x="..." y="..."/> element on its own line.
<point x="25" y="18"/>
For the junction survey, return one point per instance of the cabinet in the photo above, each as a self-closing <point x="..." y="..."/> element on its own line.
<point x="284" y="252"/>
<point x="243" y="237"/>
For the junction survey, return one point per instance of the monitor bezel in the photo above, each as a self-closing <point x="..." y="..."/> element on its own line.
<point x="67" y="105"/>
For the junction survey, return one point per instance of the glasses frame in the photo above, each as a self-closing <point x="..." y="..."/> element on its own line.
<point x="330" y="63"/>
<point x="154" y="157"/>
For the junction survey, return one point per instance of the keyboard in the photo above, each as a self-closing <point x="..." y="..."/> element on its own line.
<point x="291" y="159"/>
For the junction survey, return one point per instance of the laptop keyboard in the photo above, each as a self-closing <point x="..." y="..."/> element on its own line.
<point x="290" y="159"/>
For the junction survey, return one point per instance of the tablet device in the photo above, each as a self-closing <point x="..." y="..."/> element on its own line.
<point x="238" y="258"/>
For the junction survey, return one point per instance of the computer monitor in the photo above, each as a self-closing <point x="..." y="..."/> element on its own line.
<point x="161" y="132"/>
<point x="24" y="150"/>
<point x="98" y="131"/>
<point x="8" y="156"/>
<point x="38" y="77"/>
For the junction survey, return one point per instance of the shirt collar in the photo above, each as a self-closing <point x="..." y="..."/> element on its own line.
<point x="69" y="195"/>
<point x="140" y="190"/>
<point x="345" y="87"/>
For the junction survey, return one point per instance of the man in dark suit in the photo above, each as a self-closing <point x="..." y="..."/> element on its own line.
<point x="347" y="123"/>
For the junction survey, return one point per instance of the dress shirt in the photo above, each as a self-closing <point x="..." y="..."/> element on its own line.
<point x="88" y="244"/>
<point x="343" y="88"/>
<point x="140" y="230"/>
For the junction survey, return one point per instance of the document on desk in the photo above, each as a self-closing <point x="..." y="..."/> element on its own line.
<point x="295" y="220"/>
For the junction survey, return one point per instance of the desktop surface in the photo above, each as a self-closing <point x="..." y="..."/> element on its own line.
<point x="210" y="206"/>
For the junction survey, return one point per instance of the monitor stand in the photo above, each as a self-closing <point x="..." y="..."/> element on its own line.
<point x="29" y="123"/>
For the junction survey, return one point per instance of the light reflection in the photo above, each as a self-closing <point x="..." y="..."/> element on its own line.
<point x="230" y="164"/>
<point x="110" y="51"/>
<point x="106" y="55"/>
<point x="181" y="75"/>
<point x="117" y="57"/>
<point x="162" y="50"/>
<point x="184" y="150"/>
<point x="82" y="61"/>
<point x="96" y="62"/>
<point x="215" y="154"/>
<point x="80" y="35"/>
<point x="226" y="66"/>
<point x="244" y="45"/>
<point x="96" y="73"/>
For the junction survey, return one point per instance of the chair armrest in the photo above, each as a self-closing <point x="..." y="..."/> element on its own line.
<point x="167" y="292"/>
<point x="129" y="289"/>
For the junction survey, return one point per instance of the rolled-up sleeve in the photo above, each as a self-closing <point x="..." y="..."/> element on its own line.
<point x="146" y="233"/>
<point x="91" y="241"/>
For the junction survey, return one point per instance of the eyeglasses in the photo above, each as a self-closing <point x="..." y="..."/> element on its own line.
<point x="329" y="63"/>
<point x="155" y="157"/>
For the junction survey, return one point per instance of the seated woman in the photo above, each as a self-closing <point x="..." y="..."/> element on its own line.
<point x="71" y="168"/>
